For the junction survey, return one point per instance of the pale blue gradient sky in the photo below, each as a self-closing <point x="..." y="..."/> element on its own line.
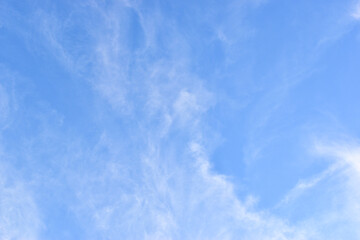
<point x="179" y="119"/>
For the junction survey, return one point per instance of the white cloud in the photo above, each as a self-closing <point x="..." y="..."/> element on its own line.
<point x="355" y="13"/>
<point x="305" y="185"/>
<point x="171" y="197"/>
<point x="161" y="187"/>
<point x="19" y="218"/>
<point x="330" y="197"/>
<point x="166" y="189"/>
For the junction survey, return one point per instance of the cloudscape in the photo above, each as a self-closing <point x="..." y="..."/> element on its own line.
<point x="178" y="119"/>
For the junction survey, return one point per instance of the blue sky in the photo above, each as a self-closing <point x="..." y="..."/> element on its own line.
<point x="179" y="119"/>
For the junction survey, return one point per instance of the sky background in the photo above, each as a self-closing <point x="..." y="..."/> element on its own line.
<point x="172" y="120"/>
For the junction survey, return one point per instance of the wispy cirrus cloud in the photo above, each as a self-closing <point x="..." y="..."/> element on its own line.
<point x="166" y="188"/>
<point x="147" y="173"/>
<point x="330" y="196"/>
